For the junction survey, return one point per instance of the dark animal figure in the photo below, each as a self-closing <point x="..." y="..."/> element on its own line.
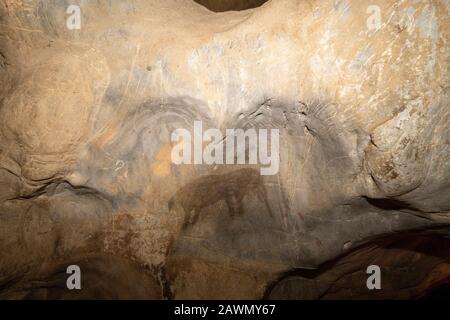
<point x="208" y="190"/>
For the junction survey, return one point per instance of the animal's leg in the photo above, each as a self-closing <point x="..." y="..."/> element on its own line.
<point x="234" y="203"/>
<point x="240" y="198"/>
<point x="262" y="196"/>
<point x="188" y="217"/>
<point x="195" y="213"/>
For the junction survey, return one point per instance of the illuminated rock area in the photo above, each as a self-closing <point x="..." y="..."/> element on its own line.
<point x="357" y="90"/>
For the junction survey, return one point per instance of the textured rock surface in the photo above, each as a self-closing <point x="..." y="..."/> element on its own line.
<point x="86" y="175"/>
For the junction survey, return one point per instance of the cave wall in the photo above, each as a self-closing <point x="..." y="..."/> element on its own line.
<point x="86" y="117"/>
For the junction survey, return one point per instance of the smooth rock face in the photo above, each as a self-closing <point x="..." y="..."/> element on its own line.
<point x="87" y="177"/>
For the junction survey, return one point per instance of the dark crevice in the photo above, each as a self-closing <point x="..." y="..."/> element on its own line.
<point x="431" y="244"/>
<point x="440" y="292"/>
<point x="390" y="204"/>
<point x="230" y="5"/>
<point x="58" y="186"/>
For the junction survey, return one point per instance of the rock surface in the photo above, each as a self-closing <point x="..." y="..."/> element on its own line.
<point x="86" y="176"/>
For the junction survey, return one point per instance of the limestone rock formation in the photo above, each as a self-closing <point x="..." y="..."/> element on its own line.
<point x="359" y="91"/>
